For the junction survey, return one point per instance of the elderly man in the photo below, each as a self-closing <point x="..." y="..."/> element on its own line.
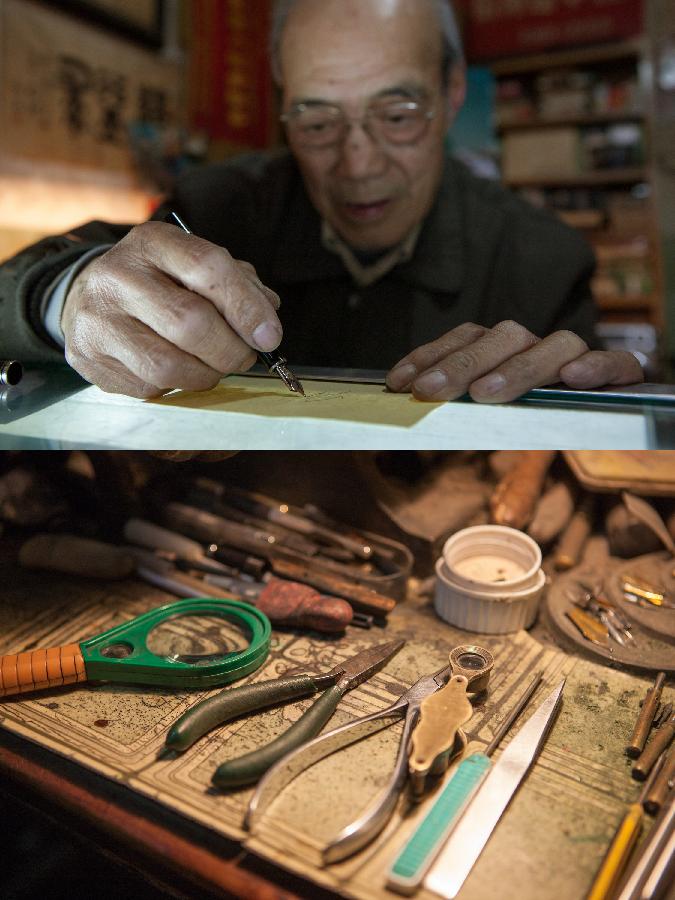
<point x="384" y="253"/>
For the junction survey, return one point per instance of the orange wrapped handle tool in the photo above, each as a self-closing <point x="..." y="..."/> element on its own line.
<point x="35" y="670"/>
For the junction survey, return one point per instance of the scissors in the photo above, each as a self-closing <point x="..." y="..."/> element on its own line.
<point x="250" y="698"/>
<point x="132" y="652"/>
<point x="468" y="669"/>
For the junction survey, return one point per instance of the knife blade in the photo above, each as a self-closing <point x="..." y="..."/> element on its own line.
<point x="467" y="841"/>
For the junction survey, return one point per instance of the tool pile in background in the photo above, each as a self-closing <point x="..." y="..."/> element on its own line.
<point x="597" y="560"/>
<point x="653" y="864"/>
<point x="527" y="527"/>
<point x="299" y="567"/>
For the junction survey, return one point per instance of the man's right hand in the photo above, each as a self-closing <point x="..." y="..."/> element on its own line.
<point x="164" y="309"/>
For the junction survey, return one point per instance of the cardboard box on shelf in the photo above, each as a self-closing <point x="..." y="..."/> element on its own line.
<point x="550" y="153"/>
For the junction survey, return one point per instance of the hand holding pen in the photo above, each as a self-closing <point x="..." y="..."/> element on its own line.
<point x="162" y="310"/>
<point x="273" y="360"/>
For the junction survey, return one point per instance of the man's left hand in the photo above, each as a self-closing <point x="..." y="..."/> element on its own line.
<point x="500" y="364"/>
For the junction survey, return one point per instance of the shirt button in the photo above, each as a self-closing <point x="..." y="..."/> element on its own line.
<point x="354" y="301"/>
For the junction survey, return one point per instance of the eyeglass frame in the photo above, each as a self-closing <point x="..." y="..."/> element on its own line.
<point x="287" y="117"/>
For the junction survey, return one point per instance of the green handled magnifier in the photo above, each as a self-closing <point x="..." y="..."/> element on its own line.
<point x="201" y="642"/>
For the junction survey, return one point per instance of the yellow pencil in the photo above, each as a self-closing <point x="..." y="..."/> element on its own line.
<point x="614" y="863"/>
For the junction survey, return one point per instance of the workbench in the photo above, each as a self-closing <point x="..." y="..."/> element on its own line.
<point x="105" y="782"/>
<point x="54" y="409"/>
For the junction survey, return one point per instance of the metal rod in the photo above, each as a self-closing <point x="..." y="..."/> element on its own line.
<point x="513" y="715"/>
<point x="645" y="718"/>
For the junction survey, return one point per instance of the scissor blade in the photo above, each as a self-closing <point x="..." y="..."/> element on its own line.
<point x="359" y="668"/>
<point x="467" y="841"/>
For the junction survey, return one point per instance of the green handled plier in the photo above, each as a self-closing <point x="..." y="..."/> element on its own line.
<point x="250" y="698"/>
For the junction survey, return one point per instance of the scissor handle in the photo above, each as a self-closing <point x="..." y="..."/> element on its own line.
<point x="35" y="670"/>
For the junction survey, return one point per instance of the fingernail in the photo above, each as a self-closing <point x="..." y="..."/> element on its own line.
<point x="492" y="384"/>
<point x="431" y="384"/>
<point x="579" y="371"/>
<point x="267" y="336"/>
<point x="401" y="377"/>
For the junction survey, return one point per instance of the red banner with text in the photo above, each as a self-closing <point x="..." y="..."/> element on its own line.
<point x="231" y="85"/>
<point x="499" y="28"/>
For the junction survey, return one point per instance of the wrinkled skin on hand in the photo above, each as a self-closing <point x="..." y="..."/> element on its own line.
<point x="163" y="310"/>
<point x="500" y="364"/>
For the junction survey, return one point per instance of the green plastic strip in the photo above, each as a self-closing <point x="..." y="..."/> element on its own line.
<point x="413" y="862"/>
<point x="139" y="665"/>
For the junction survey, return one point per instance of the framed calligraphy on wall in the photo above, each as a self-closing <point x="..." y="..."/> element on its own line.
<point x="140" y="20"/>
<point x="69" y="93"/>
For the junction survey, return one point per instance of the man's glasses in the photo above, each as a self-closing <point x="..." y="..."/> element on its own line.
<point x="321" y="125"/>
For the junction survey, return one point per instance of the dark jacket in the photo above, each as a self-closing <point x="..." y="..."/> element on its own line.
<point x="483" y="255"/>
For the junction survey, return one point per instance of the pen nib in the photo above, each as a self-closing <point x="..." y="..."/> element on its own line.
<point x="289" y="379"/>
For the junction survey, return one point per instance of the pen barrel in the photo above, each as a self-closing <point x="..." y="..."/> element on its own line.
<point x="162" y="574"/>
<point x="416" y="858"/>
<point x="213" y="529"/>
<point x="35" y="670"/>
<point x="644" y="721"/>
<point x="662" y="786"/>
<point x="147" y="534"/>
<point x="653" y="750"/>
<point x="76" y="556"/>
<point x="615" y="861"/>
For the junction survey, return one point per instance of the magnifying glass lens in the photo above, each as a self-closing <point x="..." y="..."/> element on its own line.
<point x="471" y="661"/>
<point x="197" y="640"/>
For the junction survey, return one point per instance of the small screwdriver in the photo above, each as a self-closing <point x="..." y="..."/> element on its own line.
<point x="274" y="361"/>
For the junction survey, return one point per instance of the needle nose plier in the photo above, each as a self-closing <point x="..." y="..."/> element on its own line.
<point x="250" y="698"/>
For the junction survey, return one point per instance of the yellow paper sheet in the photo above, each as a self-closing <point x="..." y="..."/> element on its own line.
<point x="346" y="402"/>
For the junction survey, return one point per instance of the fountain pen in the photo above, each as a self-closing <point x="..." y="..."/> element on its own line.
<point x="275" y="363"/>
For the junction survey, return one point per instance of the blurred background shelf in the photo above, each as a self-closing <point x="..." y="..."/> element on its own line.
<point x="583" y="179"/>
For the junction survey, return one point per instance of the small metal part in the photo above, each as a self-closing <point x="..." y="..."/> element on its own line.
<point x="617" y="625"/>
<point x="592" y="630"/>
<point x="660" y="741"/>
<point x="361" y="620"/>
<point x="645" y="718"/>
<point x="11" y="372"/>
<point x="644" y="594"/>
